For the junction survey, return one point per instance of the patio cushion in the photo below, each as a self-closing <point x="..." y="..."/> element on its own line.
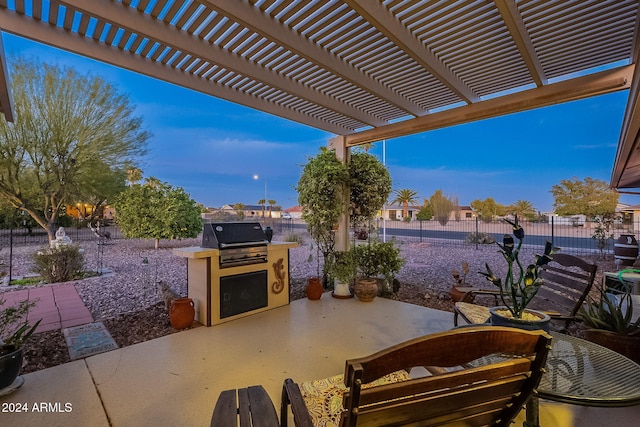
<point x="323" y="398"/>
<point x="476" y="314"/>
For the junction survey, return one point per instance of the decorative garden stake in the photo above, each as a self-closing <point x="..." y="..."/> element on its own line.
<point x="521" y="285"/>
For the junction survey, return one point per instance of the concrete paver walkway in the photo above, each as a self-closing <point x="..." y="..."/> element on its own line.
<point x="59" y="306"/>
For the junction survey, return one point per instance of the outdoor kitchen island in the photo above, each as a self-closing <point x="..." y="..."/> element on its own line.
<point x="224" y="291"/>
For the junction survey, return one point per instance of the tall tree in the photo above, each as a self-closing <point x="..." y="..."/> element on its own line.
<point x="106" y="185"/>
<point x="522" y="209"/>
<point x="262" y="202"/>
<point x="488" y="208"/>
<point x="271" y="203"/>
<point x="426" y="212"/>
<point x="404" y="197"/>
<point x="157" y="211"/>
<point x="442" y="207"/>
<point x="590" y="197"/>
<point x="239" y="208"/>
<point x="134" y="174"/>
<point x="72" y="138"/>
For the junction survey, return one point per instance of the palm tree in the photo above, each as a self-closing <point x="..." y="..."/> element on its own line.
<point x="404" y="197"/>
<point x="261" y="202"/>
<point x="523" y="209"/>
<point x="134" y="175"/>
<point x="271" y="202"/>
<point x="239" y="208"/>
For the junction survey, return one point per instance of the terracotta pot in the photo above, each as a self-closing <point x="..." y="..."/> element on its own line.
<point x="497" y="319"/>
<point x="461" y="293"/>
<point x="181" y="313"/>
<point x="366" y="289"/>
<point x="626" y="345"/>
<point x="314" y="288"/>
<point x="10" y="365"/>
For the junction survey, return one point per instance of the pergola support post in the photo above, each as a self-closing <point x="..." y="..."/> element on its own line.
<point x="342" y="233"/>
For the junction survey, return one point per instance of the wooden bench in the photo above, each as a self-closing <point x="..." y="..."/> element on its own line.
<point x="244" y="407"/>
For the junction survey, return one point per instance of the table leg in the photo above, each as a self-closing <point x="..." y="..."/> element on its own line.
<point x="532" y="413"/>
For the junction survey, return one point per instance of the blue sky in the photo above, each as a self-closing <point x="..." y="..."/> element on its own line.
<point x="213" y="148"/>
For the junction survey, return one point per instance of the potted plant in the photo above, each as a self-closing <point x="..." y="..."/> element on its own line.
<point x="343" y="268"/>
<point x="314" y="288"/>
<point x="369" y="189"/>
<point x="368" y="266"/>
<point x="321" y="193"/>
<point x="377" y="261"/>
<point x="14" y="331"/>
<point x="329" y="188"/>
<point x="609" y="322"/>
<point x="520" y="284"/>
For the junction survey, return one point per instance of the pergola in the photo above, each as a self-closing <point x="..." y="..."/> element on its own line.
<point x="365" y="70"/>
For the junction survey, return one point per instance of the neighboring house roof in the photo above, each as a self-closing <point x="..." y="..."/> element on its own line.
<point x="294" y="209"/>
<point x="627" y="208"/>
<point x="252" y="207"/>
<point x="410" y="207"/>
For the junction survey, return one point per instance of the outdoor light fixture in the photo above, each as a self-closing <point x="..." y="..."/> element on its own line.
<point x="257" y="177"/>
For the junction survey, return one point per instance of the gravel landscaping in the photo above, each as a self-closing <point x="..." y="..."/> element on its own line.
<point x="126" y="300"/>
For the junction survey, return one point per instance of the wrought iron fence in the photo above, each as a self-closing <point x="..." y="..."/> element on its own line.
<point x="578" y="238"/>
<point x="37" y="236"/>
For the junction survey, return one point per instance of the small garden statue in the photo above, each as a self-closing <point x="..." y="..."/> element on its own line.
<point x="61" y="239"/>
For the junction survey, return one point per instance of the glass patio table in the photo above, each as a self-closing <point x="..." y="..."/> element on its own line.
<point x="583" y="373"/>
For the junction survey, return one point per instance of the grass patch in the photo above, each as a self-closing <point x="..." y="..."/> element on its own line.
<point x="31" y="281"/>
<point x="28" y="281"/>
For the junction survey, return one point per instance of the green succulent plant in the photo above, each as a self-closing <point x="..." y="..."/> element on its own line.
<point x="611" y="313"/>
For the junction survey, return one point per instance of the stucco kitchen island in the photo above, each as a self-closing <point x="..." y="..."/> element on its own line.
<point x="223" y="293"/>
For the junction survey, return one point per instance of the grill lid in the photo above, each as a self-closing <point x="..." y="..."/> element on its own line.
<point x="233" y="234"/>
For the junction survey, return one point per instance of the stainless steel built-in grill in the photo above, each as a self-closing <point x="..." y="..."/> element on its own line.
<point x="243" y="256"/>
<point x="240" y="243"/>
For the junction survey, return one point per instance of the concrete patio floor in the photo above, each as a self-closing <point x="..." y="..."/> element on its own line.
<point x="175" y="380"/>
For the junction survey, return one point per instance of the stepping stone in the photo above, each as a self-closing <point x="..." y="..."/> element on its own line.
<point x="87" y="340"/>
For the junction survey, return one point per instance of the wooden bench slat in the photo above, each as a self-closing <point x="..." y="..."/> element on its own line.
<point x="225" y="412"/>
<point x="245" y="407"/>
<point x="263" y="413"/>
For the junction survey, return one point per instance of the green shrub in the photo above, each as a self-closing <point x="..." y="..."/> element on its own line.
<point x="60" y="264"/>
<point x="482" y="238"/>
<point x="294" y="237"/>
<point x="425" y="213"/>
